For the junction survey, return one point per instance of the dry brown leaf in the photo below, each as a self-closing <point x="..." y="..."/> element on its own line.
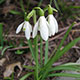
<point x="10" y="69"/>
<point x="2" y="61"/>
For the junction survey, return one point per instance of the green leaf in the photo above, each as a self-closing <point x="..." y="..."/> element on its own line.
<point x="58" y="55"/>
<point x="64" y="38"/>
<point x="72" y="68"/>
<point x="1" y="1"/>
<point x="56" y="4"/>
<point x="15" y="12"/>
<point x="29" y="67"/>
<point x="22" y="6"/>
<point x="67" y="66"/>
<point x="1" y="47"/>
<point x="1" y="34"/>
<point x="65" y="75"/>
<point x="2" y="53"/>
<point x="26" y="76"/>
<point x="19" y="52"/>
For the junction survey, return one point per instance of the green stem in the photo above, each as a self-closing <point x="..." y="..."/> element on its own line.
<point x="46" y="52"/>
<point x="36" y="50"/>
<point x="31" y="49"/>
<point x="41" y="51"/>
<point x="36" y="55"/>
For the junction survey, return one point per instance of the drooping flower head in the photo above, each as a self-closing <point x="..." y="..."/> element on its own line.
<point x="53" y="25"/>
<point x="27" y="28"/>
<point x="42" y="26"/>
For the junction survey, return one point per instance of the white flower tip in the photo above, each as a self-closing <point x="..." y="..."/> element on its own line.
<point x="17" y="32"/>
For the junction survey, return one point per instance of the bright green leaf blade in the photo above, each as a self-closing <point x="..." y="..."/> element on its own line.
<point x="71" y="68"/>
<point x="29" y="67"/>
<point x="64" y="50"/>
<point x="65" y="75"/>
<point x="15" y="12"/>
<point x="64" y="38"/>
<point x="58" y="55"/>
<point x="2" y="53"/>
<point x="56" y="5"/>
<point x="22" y="6"/>
<point x="1" y="1"/>
<point x="26" y="76"/>
<point x="67" y="66"/>
<point x="1" y="35"/>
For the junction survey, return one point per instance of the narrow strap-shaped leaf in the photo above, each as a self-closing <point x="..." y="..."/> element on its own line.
<point x="22" y="6"/>
<point x="26" y="76"/>
<point x="64" y="38"/>
<point x="1" y="35"/>
<point x="15" y="12"/>
<point x="58" y="55"/>
<point x="29" y="67"/>
<point x="31" y="49"/>
<point x="65" y="75"/>
<point x="64" y="50"/>
<point x="72" y="68"/>
<point x="2" y="53"/>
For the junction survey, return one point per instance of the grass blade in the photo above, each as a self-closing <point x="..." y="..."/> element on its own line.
<point x="22" y="6"/>
<point x="64" y="38"/>
<point x="58" y="55"/>
<point x="29" y="67"/>
<point x="2" y="53"/>
<point x="31" y="49"/>
<point x="15" y="12"/>
<point x="26" y="76"/>
<point x="1" y="35"/>
<point x="65" y="75"/>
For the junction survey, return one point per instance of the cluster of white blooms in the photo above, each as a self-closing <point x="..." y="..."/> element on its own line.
<point x="47" y="27"/>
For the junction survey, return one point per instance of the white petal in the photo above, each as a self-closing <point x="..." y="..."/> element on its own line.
<point x="49" y="29"/>
<point x="43" y="28"/>
<point x="19" y="28"/>
<point x="52" y="24"/>
<point x="27" y="30"/>
<point x="35" y="29"/>
<point x="30" y="26"/>
<point x="55" y="21"/>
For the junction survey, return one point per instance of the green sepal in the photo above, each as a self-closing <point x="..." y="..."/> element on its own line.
<point x="41" y="12"/>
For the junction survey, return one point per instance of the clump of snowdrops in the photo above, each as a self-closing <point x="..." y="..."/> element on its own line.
<point x="44" y="28"/>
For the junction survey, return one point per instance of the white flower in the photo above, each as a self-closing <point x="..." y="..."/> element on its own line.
<point x="26" y="27"/>
<point x="53" y="25"/>
<point x="42" y="26"/>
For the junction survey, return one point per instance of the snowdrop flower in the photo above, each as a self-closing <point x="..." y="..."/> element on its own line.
<point x="53" y="25"/>
<point x="42" y="26"/>
<point x="26" y="27"/>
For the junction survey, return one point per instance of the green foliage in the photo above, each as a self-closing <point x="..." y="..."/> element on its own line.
<point x="4" y="49"/>
<point x="69" y="11"/>
<point x="1" y="34"/>
<point x="2" y="1"/>
<point x="19" y="52"/>
<point x="44" y="70"/>
<point x="26" y="76"/>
